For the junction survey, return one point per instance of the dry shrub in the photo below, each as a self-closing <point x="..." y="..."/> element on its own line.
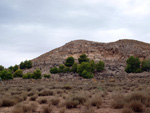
<point x="34" y="97"/>
<point x="46" y="109"/>
<point x="127" y="110"/>
<point x="85" y="110"/>
<point x="23" y="108"/>
<point x="81" y="99"/>
<point x="68" y="87"/>
<point x="42" y="100"/>
<point x="62" y="110"/>
<point x="31" y="93"/>
<point x="71" y="103"/>
<point x="96" y="101"/>
<point x="46" y="93"/>
<point x="7" y="101"/>
<point x="118" y="101"/>
<point x="136" y="106"/>
<point x="55" y="101"/>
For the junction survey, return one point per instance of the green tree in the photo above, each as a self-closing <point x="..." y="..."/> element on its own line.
<point x="28" y="76"/>
<point x="26" y="64"/>
<point x="69" y="61"/>
<point x="15" y="68"/>
<point x="84" y="66"/>
<point x="100" y="66"/>
<point x="6" y="75"/>
<point x="133" y="65"/>
<point x="47" y="75"/>
<point x="1" y="68"/>
<point x="146" y="65"/>
<point x="86" y="74"/>
<point x="93" y="66"/>
<point x="83" y="58"/>
<point x="18" y="73"/>
<point x="74" y="67"/>
<point x="54" y="70"/>
<point x="61" y="68"/>
<point x="37" y="74"/>
<point x="67" y="69"/>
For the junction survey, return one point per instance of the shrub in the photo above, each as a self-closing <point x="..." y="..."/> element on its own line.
<point x="84" y="66"/>
<point x="93" y="66"/>
<point x="28" y="76"/>
<point x="26" y="64"/>
<point x="100" y="66"/>
<point x="33" y="97"/>
<point x="18" y="73"/>
<point x="69" y="61"/>
<point x="83" y="58"/>
<point x="146" y="65"/>
<point x="47" y="75"/>
<point x="15" y="68"/>
<point x="127" y="110"/>
<point x="67" y="69"/>
<point x="46" y="109"/>
<point x="42" y="101"/>
<point x="55" y="101"/>
<point x="46" y="93"/>
<point x="133" y="65"/>
<point x="96" y="101"/>
<point x="37" y="74"/>
<point x="61" y="68"/>
<point x="86" y="74"/>
<point x="136" y="106"/>
<point x="71" y="103"/>
<point x="1" y="68"/>
<point x="54" y="70"/>
<point x="6" y="74"/>
<point x="74" y="67"/>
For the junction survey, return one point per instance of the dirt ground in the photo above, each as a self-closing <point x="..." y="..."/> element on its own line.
<point x="72" y="95"/>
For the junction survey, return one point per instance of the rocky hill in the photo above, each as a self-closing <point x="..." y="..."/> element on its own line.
<point x="114" y="54"/>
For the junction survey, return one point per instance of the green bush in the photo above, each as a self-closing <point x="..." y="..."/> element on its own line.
<point x="26" y="64"/>
<point x="61" y="68"/>
<point x="93" y="66"/>
<point x="74" y="67"/>
<point x="100" y="66"/>
<point x="27" y="76"/>
<point x="37" y="74"/>
<point x="133" y="65"/>
<point x="1" y="68"/>
<point x="13" y="68"/>
<point x="54" y="70"/>
<point x="18" y="73"/>
<point x="84" y="66"/>
<point x="69" y="61"/>
<point x="67" y="69"/>
<point x="6" y="75"/>
<point x="83" y="58"/>
<point x="86" y="74"/>
<point x="47" y="75"/>
<point x="146" y="65"/>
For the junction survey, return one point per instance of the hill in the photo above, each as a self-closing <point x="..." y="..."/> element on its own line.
<point x="114" y="54"/>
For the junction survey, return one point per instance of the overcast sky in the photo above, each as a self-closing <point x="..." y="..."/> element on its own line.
<point x="29" y="28"/>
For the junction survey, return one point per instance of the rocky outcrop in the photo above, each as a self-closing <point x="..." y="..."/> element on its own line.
<point x="114" y="54"/>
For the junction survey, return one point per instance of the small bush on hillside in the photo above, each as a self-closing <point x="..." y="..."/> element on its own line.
<point x="18" y="73"/>
<point x="100" y="66"/>
<point x="83" y="58"/>
<point x="26" y="64"/>
<point x="47" y="75"/>
<point x="133" y="65"/>
<point x="84" y="66"/>
<point x="54" y="70"/>
<point x="6" y="74"/>
<point x="146" y="65"/>
<point x="74" y="67"/>
<point x="69" y="61"/>
<point x="93" y="66"/>
<point x="37" y="74"/>
<point x="61" y="68"/>
<point x="67" y="69"/>
<point x="86" y="74"/>
<point x="28" y="76"/>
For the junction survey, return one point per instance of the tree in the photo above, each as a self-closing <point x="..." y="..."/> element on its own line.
<point x="6" y="75"/>
<point x="84" y="66"/>
<point x="86" y="74"/>
<point x="93" y="66"/>
<point x="61" y="68"/>
<point x="26" y="64"/>
<point x="1" y="68"/>
<point x="83" y="58"/>
<point x="100" y="66"/>
<point x="69" y="61"/>
<point x="54" y="70"/>
<point x="37" y="74"/>
<point x="27" y="76"/>
<point x="18" y="73"/>
<point x="146" y="65"/>
<point x="74" y="67"/>
<point x="133" y="65"/>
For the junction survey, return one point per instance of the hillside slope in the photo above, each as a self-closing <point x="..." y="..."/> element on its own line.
<point x="114" y="54"/>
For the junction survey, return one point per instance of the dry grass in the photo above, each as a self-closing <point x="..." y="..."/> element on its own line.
<point x="46" y="92"/>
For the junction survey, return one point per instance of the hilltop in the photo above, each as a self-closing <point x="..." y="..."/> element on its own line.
<point x="114" y="54"/>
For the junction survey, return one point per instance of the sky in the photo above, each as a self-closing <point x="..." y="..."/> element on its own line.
<point x="29" y="28"/>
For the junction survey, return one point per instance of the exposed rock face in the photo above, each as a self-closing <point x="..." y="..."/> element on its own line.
<point x="113" y="54"/>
